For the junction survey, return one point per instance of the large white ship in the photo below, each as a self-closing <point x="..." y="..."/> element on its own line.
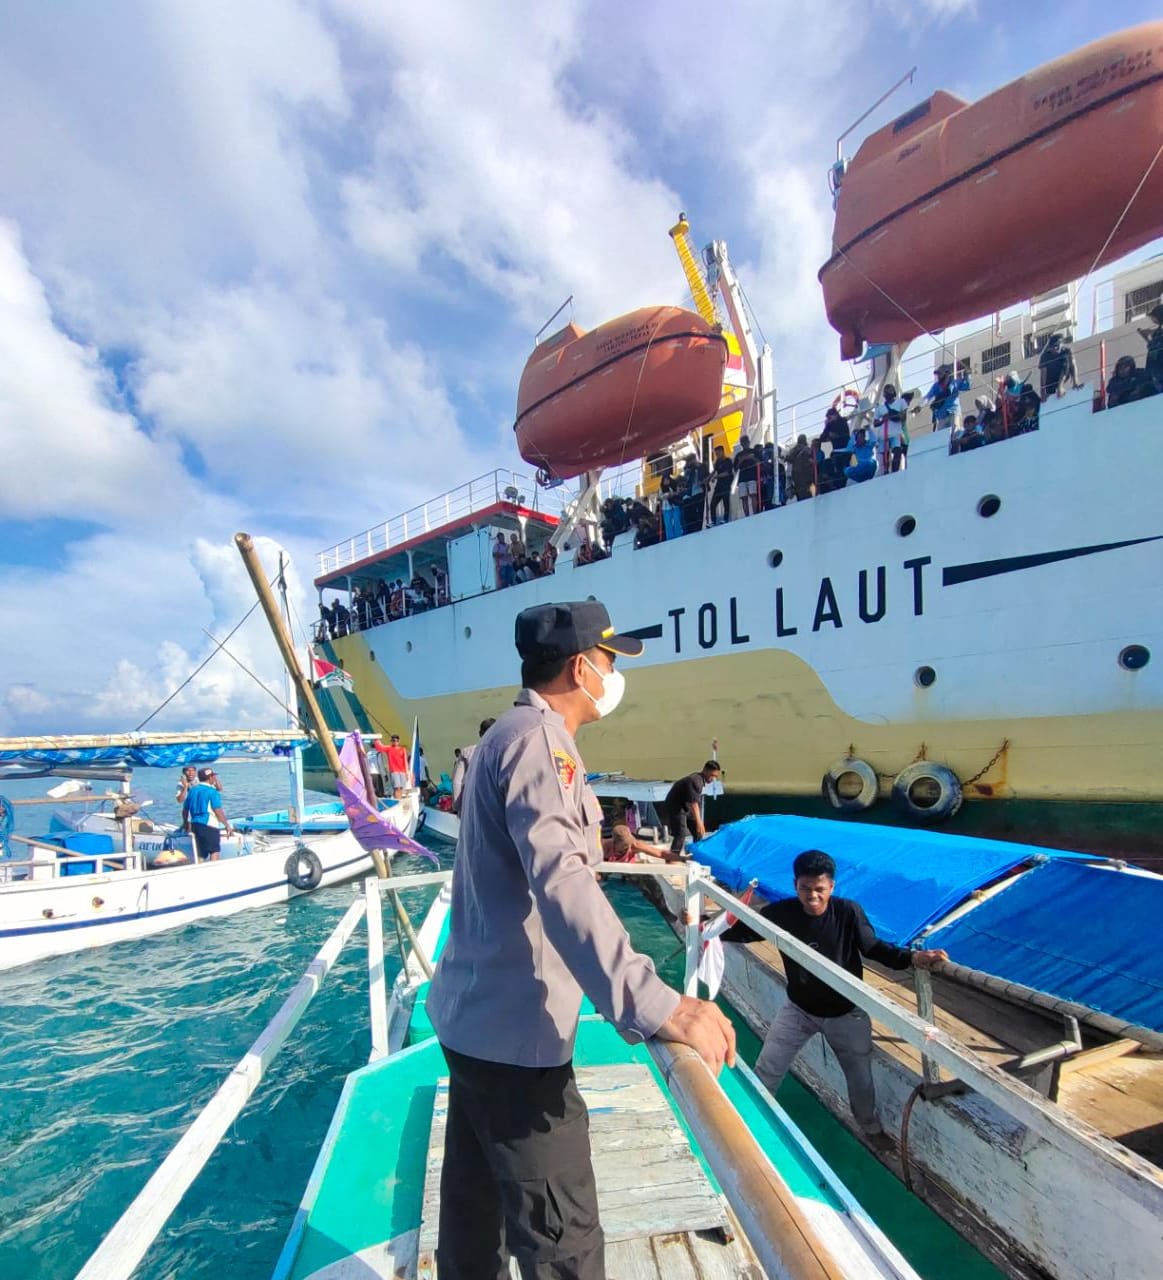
<point x="985" y="625"/>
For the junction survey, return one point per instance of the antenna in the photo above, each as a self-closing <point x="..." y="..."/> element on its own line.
<point x="552" y="318"/>
<point x="856" y="123"/>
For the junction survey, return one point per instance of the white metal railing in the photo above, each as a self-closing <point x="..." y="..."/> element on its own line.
<point x="1006" y="1092"/>
<point x="456" y="504"/>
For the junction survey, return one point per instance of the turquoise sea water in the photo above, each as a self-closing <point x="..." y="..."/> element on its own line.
<point x="106" y="1057"/>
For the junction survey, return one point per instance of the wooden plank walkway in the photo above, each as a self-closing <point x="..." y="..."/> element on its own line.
<point x="651" y="1188"/>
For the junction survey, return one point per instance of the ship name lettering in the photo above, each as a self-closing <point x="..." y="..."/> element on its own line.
<point x="676" y="614"/>
<point x="871" y="600"/>
<point x="707" y="632"/>
<point x="708" y="626"/>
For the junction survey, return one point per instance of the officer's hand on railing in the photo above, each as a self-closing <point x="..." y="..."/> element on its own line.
<point x="702" y="1025"/>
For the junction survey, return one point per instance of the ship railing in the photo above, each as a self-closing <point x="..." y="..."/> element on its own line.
<point x="121" y="1251"/>
<point x="478" y="494"/>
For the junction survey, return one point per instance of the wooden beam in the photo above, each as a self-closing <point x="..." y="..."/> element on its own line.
<point x="1090" y="1058"/>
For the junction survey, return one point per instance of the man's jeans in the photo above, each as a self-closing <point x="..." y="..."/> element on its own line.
<point x="851" y="1039"/>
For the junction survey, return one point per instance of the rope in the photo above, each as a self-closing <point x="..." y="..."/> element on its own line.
<point x="200" y="667"/>
<point x="1118" y="223"/>
<point x="265" y="688"/>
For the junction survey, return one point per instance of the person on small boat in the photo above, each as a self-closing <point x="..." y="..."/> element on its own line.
<point x="460" y="763"/>
<point x="622" y="845"/>
<point x="399" y="770"/>
<point x="185" y="782"/>
<point x="529" y="932"/>
<point x="204" y="800"/>
<point x="838" y="929"/>
<point x="683" y="806"/>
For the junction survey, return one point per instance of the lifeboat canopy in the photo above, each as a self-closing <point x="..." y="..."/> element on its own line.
<point x="609" y="395"/>
<point x="957" y="210"/>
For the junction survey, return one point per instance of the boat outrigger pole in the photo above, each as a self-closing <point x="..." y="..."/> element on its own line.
<point x="266" y="597"/>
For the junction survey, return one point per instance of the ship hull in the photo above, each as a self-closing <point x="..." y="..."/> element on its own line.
<point x="797" y="636"/>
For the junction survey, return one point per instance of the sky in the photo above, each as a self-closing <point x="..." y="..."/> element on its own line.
<point x="276" y="267"/>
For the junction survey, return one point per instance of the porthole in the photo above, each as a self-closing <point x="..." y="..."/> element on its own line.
<point x="925" y="676"/>
<point x="468" y="633"/>
<point x="775" y="559"/>
<point x="905" y="525"/>
<point x="371" y="653"/>
<point x="407" y="646"/>
<point x="990" y="505"/>
<point x="1134" y="657"/>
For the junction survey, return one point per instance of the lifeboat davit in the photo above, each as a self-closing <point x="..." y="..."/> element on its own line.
<point x="955" y="211"/>
<point x="618" y="392"/>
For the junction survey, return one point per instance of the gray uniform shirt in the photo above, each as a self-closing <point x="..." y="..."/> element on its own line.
<point x="530" y="928"/>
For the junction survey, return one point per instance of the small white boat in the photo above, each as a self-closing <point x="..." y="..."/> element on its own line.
<point x="114" y="878"/>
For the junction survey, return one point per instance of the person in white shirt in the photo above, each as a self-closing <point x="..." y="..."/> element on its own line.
<point x="888" y="421"/>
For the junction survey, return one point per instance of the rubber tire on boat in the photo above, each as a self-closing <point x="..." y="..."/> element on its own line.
<point x="948" y="785"/>
<point x="421" y="821"/>
<point x="869" y="786"/>
<point x="304" y="870"/>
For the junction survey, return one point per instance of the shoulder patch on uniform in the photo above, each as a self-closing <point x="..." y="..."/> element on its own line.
<point x="566" y="767"/>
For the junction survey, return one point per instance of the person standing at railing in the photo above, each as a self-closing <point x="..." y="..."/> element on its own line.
<point x="1154" y="339"/>
<point x="944" y="397"/>
<point x="530" y="932"/>
<point x="839" y="930"/>
<point x="502" y="562"/>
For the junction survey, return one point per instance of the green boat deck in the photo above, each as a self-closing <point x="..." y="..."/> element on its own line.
<point x="363" y="1205"/>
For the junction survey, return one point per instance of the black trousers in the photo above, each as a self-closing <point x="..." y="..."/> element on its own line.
<point x="678" y="820"/>
<point x="517" y="1177"/>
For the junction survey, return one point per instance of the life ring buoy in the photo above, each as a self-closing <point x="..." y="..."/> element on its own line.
<point x="927" y="792"/>
<point x="846" y="798"/>
<point x="304" y="870"/>
<point x="847" y="402"/>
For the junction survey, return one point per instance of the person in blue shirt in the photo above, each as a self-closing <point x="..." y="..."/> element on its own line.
<point x="203" y="800"/>
<point x="864" y="453"/>
<point x="945" y="397"/>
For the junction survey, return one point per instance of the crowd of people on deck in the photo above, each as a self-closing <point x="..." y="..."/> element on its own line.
<point x="850" y="449"/>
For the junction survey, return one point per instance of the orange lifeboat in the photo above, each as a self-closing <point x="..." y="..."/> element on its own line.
<point x="954" y="211"/>
<point x="618" y="392"/>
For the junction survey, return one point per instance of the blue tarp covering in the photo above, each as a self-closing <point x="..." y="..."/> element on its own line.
<point x="1081" y="933"/>
<point x="164" y="755"/>
<point x="903" y="878"/>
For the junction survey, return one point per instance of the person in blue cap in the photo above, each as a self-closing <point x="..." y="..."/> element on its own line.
<point x="530" y="932"/>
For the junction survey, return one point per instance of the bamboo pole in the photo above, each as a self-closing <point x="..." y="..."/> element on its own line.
<point x="266" y="598"/>
<point x="784" y="1240"/>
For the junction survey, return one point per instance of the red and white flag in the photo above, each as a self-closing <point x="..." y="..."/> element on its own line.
<point x="327" y="675"/>
<point x="712" y="959"/>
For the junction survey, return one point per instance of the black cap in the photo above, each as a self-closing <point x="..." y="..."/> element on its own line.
<point x="204" y="775"/>
<point x="549" y="631"/>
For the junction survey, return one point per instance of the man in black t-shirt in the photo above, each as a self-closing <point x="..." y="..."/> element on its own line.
<point x="838" y="929"/>
<point x="683" y="806"/>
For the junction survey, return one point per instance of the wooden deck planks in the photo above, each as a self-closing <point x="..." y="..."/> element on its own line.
<point x="649" y="1182"/>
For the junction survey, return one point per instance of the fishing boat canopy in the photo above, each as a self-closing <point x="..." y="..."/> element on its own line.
<point x="1037" y="929"/>
<point x="162" y="751"/>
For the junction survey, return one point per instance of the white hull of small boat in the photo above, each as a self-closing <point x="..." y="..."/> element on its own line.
<point x="441" y="822"/>
<point x="54" y="917"/>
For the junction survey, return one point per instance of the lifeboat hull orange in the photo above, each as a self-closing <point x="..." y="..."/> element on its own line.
<point x="618" y="392"/>
<point x="956" y="210"/>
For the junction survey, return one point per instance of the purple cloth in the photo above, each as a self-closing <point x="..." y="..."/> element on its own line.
<point x="372" y="827"/>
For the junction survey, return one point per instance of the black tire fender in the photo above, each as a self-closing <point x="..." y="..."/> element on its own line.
<point x="304" y="870"/>
<point x="938" y="781"/>
<point x="869" y="785"/>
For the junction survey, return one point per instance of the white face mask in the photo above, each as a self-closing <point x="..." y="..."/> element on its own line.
<point x="613" y="687"/>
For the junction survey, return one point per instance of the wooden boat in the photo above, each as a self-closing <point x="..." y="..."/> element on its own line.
<point x="957" y="210"/>
<point x="109" y="878"/>
<point x="696" y="1177"/>
<point x="618" y="392"/>
<point x="1081" y="1198"/>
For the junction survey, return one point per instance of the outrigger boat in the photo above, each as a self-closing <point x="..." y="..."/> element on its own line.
<point x="113" y="875"/>
<point x="1052" y="981"/>
<point x="696" y="1176"/>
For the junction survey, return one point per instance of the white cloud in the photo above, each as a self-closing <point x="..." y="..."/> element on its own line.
<point x="68" y="446"/>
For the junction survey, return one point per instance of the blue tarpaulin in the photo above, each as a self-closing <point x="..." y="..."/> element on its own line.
<point x="1083" y="933"/>
<point x="164" y="755"/>
<point x="903" y="878"/>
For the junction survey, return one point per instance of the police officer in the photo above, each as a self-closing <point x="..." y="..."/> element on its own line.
<point x="530" y="931"/>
